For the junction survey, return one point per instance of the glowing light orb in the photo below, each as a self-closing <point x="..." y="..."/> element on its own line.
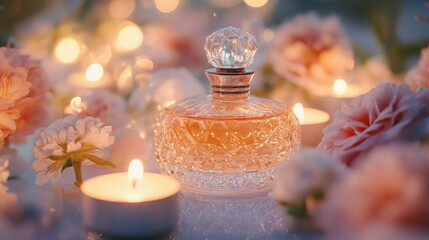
<point x="340" y="87"/>
<point x="166" y="6"/>
<point x="256" y="3"/>
<point x="129" y="38"/>
<point x="67" y="50"/>
<point x="94" y="72"/>
<point x="121" y="8"/>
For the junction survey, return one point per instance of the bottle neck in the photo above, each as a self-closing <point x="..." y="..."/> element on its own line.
<point x="229" y="84"/>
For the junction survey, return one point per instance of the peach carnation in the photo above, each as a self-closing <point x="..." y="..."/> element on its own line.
<point x="23" y="91"/>
<point x="387" y="113"/>
<point x="310" y="51"/>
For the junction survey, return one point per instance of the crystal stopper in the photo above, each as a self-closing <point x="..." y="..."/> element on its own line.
<point x="231" y="48"/>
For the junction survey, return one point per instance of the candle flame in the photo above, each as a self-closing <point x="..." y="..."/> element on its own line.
<point x="135" y="174"/>
<point x="340" y="87"/>
<point x="94" y="72"/>
<point x="298" y="110"/>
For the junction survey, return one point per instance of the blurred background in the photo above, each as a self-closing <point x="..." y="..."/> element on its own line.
<point x="123" y="60"/>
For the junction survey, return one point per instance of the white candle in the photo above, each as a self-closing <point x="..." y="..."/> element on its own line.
<point x="133" y="204"/>
<point x="312" y="122"/>
<point x="330" y="99"/>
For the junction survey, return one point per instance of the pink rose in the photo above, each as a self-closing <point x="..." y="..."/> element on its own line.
<point x="390" y="188"/>
<point x="418" y="76"/>
<point x="310" y="51"/>
<point x="387" y="113"/>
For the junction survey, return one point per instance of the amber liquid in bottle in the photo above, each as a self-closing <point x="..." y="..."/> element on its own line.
<point x="230" y="145"/>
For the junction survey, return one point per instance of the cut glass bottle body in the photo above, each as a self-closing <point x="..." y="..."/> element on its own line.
<point x="225" y="145"/>
<point x="226" y="141"/>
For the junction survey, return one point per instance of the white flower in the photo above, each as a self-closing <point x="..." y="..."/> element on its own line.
<point x="308" y="172"/>
<point x="69" y="141"/>
<point x="6" y="198"/>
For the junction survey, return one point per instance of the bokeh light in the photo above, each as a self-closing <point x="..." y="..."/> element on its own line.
<point x="77" y="105"/>
<point x="121" y="8"/>
<point x="339" y="87"/>
<point x="166" y="6"/>
<point x="256" y="3"/>
<point x="144" y="64"/>
<point x="129" y="38"/>
<point x="67" y="50"/>
<point x="94" y="72"/>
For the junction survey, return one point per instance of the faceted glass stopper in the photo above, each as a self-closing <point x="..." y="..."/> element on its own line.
<point x="230" y="48"/>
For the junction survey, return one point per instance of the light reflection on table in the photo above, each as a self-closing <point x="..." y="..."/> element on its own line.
<point x="199" y="217"/>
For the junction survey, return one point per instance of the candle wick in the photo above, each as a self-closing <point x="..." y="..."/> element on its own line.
<point x="134" y="184"/>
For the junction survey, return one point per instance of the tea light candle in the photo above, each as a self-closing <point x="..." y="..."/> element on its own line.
<point x="330" y="99"/>
<point x="93" y="77"/>
<point x="312" y="122"/>
<point x="131" y="205"/>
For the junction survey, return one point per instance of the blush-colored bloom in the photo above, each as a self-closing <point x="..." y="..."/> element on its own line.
<point x="68" y="141"/>
<point x="308" y="171"/>
<point x="23" y="83"/>
<point x="302" y="181"/>
<point x="418" y="76"/>
<point x="103" y="104"/>
<point x="390" y="188"/>
<point x="8" y="116"/>
<point x="387" y="113"/>
<point x="310" y="51"/>
<point x="6" y="198"/>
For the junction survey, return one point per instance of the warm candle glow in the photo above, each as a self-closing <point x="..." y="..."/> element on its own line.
<point x="339" y="87"/>
<point x="94" y="72"/>
<point x="121" y="8"/>
<point x="298" y="110"/>
<point x="144" y="63"/>
<point x="77" y="105"/>
<point x="129" y="38"/>
<point x="135" y="174"/>
<point x="67" y="50"/>
<point x="256" y="3"/>
<point x="166" y="6"/>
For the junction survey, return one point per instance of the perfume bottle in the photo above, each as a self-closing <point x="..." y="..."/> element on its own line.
<point x="226" y="141"/>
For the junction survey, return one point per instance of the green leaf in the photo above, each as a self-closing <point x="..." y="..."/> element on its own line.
<point x="99" y="161"/>
<point x="298" y="211"/>
<point x="68" y="164"/>
<point x="318" y="195"/>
